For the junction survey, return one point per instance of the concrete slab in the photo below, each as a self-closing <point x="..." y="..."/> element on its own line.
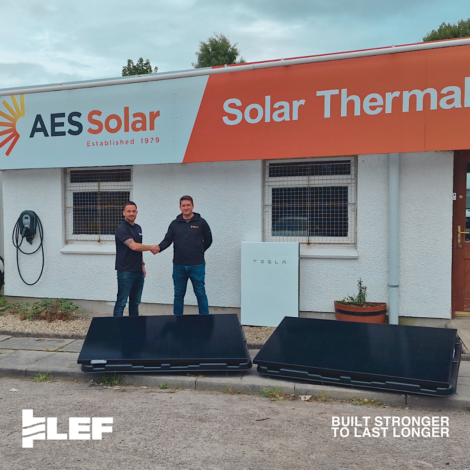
<point x="348" y="393"/>
<point x="253" y="382"/>
<point x="6" y="352"/>
<point x="457" y="402"/>
<point x="66" y="374"/>
<point x="74" y="346"/>
<point x="154" y="380"/>
<point x="35" y="344"/>
<point x="462" y="383"/>
<point x="253" y="353"/>
<point x="464" y="369"/>
<point x="18" y="362"/>
<point x="4" y="337"/>
<point x="56" y="361"/>
<point x="63" y="364"/>
<point x="462" y="325"/>
<point x="58" y="364"/>
<point x="42" y="334"/>
<point x="220" y="382"/>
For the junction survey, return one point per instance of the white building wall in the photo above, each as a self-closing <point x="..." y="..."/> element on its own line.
<point x="425" y="238"/>
<point x="322" y="281"/>
<point x="72" y="276"/>
<point x="426" y="188"/>
<point x="229" y="196"/>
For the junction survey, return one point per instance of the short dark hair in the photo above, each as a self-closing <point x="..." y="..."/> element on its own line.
<point x="186" y="198"/>
<point x="129" y="203"/>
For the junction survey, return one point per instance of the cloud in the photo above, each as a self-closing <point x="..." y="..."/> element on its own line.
<point x="52" y="41"/>
<point x="26" y="74"/>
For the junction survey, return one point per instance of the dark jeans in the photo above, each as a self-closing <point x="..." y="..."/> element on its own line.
<point x="130" y="286"/>
<point x="181" y="274"/>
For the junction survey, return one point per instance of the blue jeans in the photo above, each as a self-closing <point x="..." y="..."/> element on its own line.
<point x="130" y="286"/>
<point x="181" y="274"/>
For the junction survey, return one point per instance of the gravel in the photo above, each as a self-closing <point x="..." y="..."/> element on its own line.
<point x="10" y="323"/>
<point x="257" y="335"/>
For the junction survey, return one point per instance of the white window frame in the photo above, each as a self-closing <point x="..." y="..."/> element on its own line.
<point x="71" y="188"/>
<point x="310" y="181"/>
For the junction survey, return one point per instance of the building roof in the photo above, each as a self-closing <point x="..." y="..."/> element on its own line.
<point x="236" y="67"/>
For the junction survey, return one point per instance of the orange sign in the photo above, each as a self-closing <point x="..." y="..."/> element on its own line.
<point x="405" y="102"/>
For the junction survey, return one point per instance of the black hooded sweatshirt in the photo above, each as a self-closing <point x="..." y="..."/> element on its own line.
<point x="190" y="240"/>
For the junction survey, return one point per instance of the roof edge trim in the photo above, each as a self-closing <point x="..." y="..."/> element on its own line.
<point x="237" y="68"/>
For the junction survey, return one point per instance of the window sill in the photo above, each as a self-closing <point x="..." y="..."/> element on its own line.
<point x="89" y="249"/>
<point x="328" y="251"/>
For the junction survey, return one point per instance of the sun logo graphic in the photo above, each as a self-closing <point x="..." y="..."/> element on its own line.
<point x="10" y="135"/>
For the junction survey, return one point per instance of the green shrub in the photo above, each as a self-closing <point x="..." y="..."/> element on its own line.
<point x="359" y="300"/>
<point x="46" y="309"/>
<point x="112" y="380"/>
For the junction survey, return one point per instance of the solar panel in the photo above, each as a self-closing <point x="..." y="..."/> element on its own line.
<point x="398" y="358"/>
<point x="165" y="344"/>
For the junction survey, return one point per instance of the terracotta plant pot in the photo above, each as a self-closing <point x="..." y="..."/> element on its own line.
<point x="373" y="313"/>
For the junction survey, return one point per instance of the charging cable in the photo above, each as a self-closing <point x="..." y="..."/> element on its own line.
<point x="19" y="235"/>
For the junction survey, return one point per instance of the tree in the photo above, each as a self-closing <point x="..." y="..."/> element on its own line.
<point x="139" y="68"/>
<point x="217" y="50"/>
<point x="449" y="31"/>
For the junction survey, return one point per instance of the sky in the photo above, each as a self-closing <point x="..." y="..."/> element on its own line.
<point x="57" y="41"/>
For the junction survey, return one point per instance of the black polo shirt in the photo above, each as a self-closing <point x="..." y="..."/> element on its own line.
<point x="127" y="259"/>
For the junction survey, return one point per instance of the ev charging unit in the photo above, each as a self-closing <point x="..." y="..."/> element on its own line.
<point x="26" y="227"/>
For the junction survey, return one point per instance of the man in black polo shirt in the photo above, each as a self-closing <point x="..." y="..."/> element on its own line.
<point x="191" y="237"/>
<point x="130" y="265"/>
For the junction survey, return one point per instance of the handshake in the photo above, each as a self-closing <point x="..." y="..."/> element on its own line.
<point x="155" y="249"/>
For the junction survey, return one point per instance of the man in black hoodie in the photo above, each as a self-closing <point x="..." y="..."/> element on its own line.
<point x="191" y="237"/>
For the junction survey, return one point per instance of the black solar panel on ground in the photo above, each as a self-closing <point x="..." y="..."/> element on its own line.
<point x="397" y="358"/>
<point x="165" y="344"/>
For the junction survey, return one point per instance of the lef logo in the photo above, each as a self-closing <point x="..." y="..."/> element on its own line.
<point x="36" y="428"/>
<point x="10" y="135"/>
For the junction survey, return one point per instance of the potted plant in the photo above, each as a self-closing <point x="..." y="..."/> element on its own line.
<point x="357" y="309"/>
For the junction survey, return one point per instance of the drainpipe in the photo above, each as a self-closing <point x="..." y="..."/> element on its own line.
<point x="393" y="276"/>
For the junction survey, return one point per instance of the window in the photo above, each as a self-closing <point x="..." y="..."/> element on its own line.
<point x="94" y="200"/>
<point x="311" y="201"/>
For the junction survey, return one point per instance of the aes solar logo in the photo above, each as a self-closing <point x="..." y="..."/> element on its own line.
<point x="35" y="428"/>
<point x="61" y="124"/>
<point x="9" y="116"/>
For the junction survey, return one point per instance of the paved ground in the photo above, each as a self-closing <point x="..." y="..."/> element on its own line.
<point x="168" y="429"/>
<point x="215" y="421"/>
<point x="27" y="356"/>
<point x="462" y="325"/>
